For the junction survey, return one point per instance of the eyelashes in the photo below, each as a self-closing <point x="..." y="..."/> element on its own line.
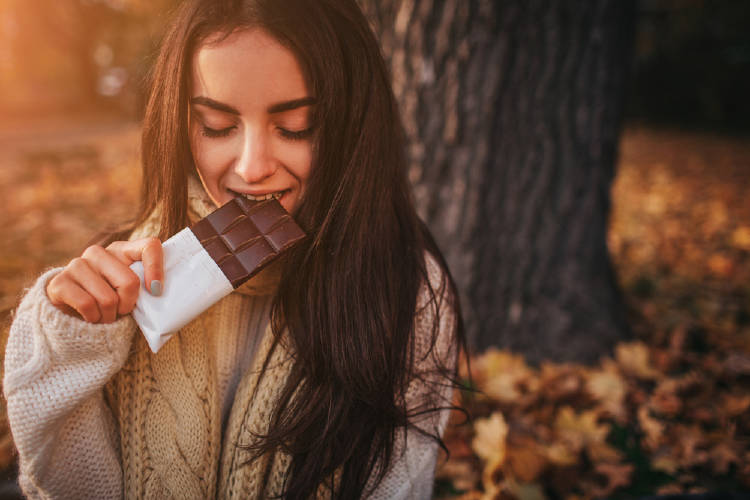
<point x="214" y="133"/>
<point x="292" y="135"/>
<point x="295" y="135"/>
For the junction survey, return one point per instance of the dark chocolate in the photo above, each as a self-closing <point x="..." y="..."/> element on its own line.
<point x="243" y="236"/>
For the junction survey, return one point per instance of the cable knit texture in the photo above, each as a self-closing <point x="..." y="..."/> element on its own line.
<point x="95" y="414"/>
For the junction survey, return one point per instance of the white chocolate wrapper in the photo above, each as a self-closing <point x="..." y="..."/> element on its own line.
<point x="192" y="283"/>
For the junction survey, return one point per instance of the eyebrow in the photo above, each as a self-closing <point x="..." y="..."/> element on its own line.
<point x="274" y="108"/>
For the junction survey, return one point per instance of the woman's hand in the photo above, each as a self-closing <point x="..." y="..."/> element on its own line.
<point x="99" y="286"/>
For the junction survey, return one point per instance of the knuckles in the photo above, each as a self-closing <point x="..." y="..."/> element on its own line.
<point x="131" y="284"/>
<point x="109" y="301"/>
<point x="114" y="245"/>
<point x="77" y="264"/>
<point x="93" y="251"/>
<point x="88" y="309"/>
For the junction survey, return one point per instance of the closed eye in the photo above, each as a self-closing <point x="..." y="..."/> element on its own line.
<point x="295" y="135"/>
<point x="212" y="132"/>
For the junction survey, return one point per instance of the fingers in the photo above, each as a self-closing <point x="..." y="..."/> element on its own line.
<point x="117" y="275"/>
<point x="69" y="297"/>
<point x="84" y="290"/>
<point x="150" y="252"/>
<point x="99" y="285"/>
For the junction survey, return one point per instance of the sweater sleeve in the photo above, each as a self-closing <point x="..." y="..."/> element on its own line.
<point x="56" y="366"/>
<point x="412" y="473"/>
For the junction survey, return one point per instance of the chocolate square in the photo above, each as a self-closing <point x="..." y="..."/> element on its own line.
<point x="226" y="216"/>
<point x="284" y="235"/>
<point x="240" y="235"/>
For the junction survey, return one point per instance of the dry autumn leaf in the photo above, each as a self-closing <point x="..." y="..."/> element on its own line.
<point x="504" y="376"/>
<point x="490" y="438"/>
<point x="607" y="386"/>
<point x="560" y="382"/>
<point x="580" y="429"/>
<point x="665" y="399"/>
<point x="526" y="459"/>
<point x="634" y="359"/>
<point x="652" y="428"/>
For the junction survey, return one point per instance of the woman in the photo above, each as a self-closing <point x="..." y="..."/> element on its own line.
<point x="330" y="373"/>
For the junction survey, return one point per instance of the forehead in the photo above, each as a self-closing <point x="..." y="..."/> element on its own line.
<point x="247" y="64"/>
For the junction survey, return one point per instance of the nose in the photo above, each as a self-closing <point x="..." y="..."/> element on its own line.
<point x="255" y="161"/>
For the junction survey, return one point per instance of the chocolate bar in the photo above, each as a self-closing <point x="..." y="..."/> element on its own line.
<point x="205" y="262"/>
<point x="243" y="236"/>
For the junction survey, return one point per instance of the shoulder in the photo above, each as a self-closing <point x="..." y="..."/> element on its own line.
<point x="436" y="282"/>
<point x="436" y="315"/>
<point x="436" y="297"/>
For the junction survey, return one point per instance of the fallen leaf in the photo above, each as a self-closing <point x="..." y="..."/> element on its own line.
<point x="560" y="381"/>
<point x="525" y="458"/>
<point x="579" y="430"/>
<point x="652" y="428"/>
<point x="490" y="439"/>
<point x="665" y="400"/>
<point x="561" y="454"/>
<point x="608" y="387"/>
<point x="633" y="358"/>
<point x="505" y="376"/>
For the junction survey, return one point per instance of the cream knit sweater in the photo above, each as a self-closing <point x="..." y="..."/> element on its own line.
<point x="74" y="393"/>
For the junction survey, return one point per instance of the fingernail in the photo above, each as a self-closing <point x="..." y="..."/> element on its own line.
<point x="155" y="288"/>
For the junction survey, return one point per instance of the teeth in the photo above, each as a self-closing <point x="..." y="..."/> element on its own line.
<point x="265" y="196"/>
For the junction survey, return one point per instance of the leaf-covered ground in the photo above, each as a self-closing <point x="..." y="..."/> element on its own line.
<point x="666" y="413"/>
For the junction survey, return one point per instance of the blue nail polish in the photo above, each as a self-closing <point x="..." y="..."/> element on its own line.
<point x="155" y="288"/>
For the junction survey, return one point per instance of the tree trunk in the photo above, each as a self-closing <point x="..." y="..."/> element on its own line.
<point x="512" y="110"/>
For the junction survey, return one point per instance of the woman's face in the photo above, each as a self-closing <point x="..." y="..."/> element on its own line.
<point x="250" y="111"/>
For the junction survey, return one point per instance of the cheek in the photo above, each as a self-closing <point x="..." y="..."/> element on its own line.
<point x="209" y="159"/>
<point x="299" y="161"/>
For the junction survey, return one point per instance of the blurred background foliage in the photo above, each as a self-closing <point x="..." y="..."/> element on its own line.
<point x="77" y="56"/>
<point x="691" y="67"/>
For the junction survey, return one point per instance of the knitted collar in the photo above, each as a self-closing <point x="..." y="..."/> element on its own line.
<point x="200" y="205"/>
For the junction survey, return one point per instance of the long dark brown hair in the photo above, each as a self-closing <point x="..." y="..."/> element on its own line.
<point x="348" y="293"/>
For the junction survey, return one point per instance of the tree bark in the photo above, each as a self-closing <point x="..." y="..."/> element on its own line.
<point x="512" y="110"/>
